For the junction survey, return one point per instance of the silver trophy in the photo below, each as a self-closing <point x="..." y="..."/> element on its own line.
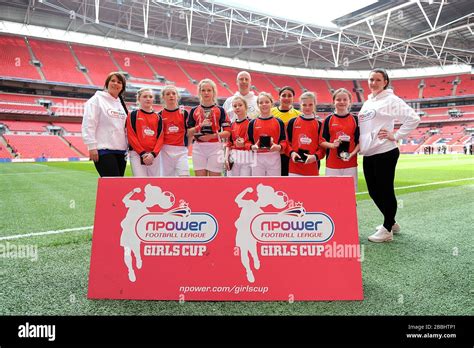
<point x="343" y="149"/>
<point x="207" y="128"/>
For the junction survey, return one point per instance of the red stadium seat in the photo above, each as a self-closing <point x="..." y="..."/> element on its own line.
<point x="15" y="60"/>
<point x="34" y="146"/>
<point x="88" y="56"/>
<point x="57" y="62"/>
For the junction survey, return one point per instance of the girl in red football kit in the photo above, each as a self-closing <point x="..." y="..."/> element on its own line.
<point x="174" y="154"/>
<point x="267" y="138"/>
<point x="145" y="136"/>
<point x="304" y="134"/>
<point x="211" y="123"/>
<point x="237" y="159"/>
<point x="338" y="127"/>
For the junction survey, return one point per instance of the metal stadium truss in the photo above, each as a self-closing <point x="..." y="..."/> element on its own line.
<point x="395" y="34"/>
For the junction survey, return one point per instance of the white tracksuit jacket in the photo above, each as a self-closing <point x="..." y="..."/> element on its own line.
<point x="103" y="124"/>
<point x="380" y="112"/>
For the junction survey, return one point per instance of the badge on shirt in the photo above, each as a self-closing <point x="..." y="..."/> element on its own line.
<point x="173" y="129"/>
<point x="305" y="140"/>
<point x="148" y="132"/>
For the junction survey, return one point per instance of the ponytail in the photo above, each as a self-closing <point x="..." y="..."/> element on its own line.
<point x="123" y="104"/>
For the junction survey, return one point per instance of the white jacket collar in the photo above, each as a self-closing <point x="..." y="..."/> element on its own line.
<point x="382" y="94"/>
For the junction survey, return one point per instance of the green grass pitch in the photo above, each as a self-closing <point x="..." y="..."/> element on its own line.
<point x="425" y="271"/>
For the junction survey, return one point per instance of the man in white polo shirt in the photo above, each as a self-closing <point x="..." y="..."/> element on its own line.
<point x="244" y="82"/>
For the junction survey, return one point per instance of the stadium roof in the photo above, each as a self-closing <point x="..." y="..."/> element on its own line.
<point x="394" y="34"/>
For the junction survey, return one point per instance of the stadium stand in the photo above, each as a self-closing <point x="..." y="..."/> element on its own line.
<point x="57" y="62"/>
<point x="156" y="71"/>
<point x="88" y="56"/>
<point x="24" y="126"/>
<point x="438" y="87"/>
<point x="4" y="153"/>
<point x="263" y="84"/>
<point x="34" y="146"/>
<point x="19" y="98"/>
<point x="15" y="60"/>
<point x="466" y="86"/>
<point x="197" y="72"/>
<point x="406" y="89"/>
<point x="69" y="127"/>
<point x="18" y="108"/>
<point x="133" y="64"/>
<point x="78" y="144"/>
<point x="316" y="85"/>
<point x="169" y="69"/>
<point x="225" y="75"/>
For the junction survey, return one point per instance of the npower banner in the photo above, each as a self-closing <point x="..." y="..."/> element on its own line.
<point x="226" y="239"/>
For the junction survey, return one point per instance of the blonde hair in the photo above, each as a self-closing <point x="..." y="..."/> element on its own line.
<point x="242" y="100"/>
<point x="265" y="94"/>
<point x="167" y="88"/>
<point x="308" y="95"/>
<point x="141" y="91"/>
<point x="213" y="86"/>
<point x="341" y="90"/>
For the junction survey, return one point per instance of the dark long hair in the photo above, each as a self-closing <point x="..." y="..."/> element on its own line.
<point x="385" y="75"/>
<point x="122" y="79"/>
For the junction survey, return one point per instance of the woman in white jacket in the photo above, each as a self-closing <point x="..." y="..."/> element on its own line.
<point x="103" y="127"/>
<point x="378" y="145"/>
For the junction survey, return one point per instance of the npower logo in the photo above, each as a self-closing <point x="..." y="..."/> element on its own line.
<point x="306" y="227"/>
<point x="174" y="228"/>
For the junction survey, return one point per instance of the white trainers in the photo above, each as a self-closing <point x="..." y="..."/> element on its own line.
<point x="395" y="228"/>
<point x="382" y="235"/>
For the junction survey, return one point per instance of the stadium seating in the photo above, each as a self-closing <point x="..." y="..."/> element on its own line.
<point x="466" y="87"/>
<point x="317" y="86"/>
<point x="34" y="146"/>
<point x="69" y="127"/>
<point x="438" y="87"/>
<point x="196" y="71"/>
<point x="15" y="60"/>
<point x="133" y="64"/>
<point x="78" y="144"/>
<point x="17" y="108"/>
<point x="263" y="84"/>
<point x="172" y="72"/>
<point x="57" y="62"/>
<point x="24" y="126"/>
<point x="19" y="98"/>
<point x="4" y="153"/>
<point x="89" y="57"/>
<point x="406" y="89"/>
<point x="227" y="75"/>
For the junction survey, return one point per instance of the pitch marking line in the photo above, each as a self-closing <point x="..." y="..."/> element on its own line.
<point x="421" y="185"/>
<point x="34" y="234"/>
<point x="18" y="236"/>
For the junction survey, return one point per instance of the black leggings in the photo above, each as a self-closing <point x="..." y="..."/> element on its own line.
<point x="111" y="164"/>
<point x="379" y="172"/>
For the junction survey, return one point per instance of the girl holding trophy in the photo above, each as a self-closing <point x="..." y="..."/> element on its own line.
<point x="237" y="159"/>
<point x="304" y="134"/>
<point x="208" y="123"/>
<point x="174" y="154"/>
<point x="341" y="137"/>
<point x="266" y="137"/>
